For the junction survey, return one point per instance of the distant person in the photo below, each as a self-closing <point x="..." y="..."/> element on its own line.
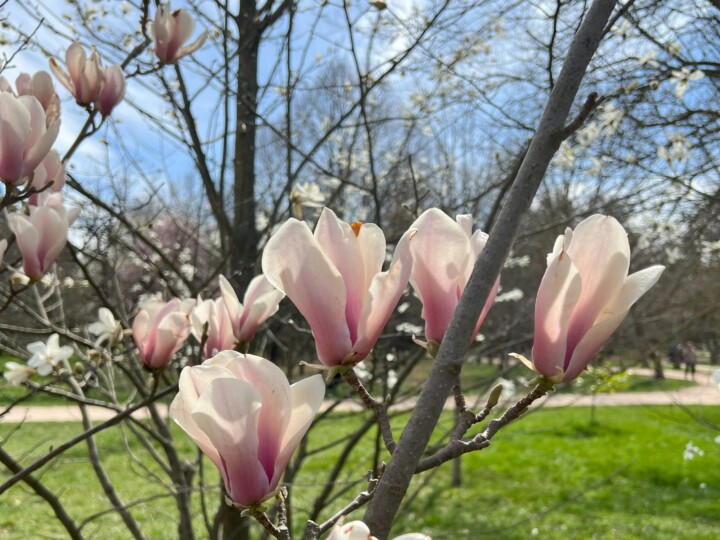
<point x="689" y="358"/>
<point x="675" y="355"/>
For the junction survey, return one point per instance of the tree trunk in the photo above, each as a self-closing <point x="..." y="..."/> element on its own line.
<point x="244" y="241"/>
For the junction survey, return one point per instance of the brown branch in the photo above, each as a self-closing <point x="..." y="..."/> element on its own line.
<point x="448" y="363"/>
<point x="377" y="407"/>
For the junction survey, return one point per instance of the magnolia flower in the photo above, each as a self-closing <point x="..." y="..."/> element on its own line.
<point x="261" y="301"/>
<point x="584" y="296"/>
<point x="307" y="194"/>
<point x="623" y="29"/>
<point x="39" y="86"/>
<point x="88" y="81"/>
<point x="565" y="156"/>
<point x="171" y="29"/>
<point x="610" y="118"/>
<point x="106" y="328"/>
<point x="679" y="149"/>
<point x="682" y="79"/>
<point x="648" y="59"/>
<point x="218" y="333"/>
<point x="45" y="356"/>
<point x="159" y="331"/>
<point x="357" y="530"/>
<point x="16" y="374"/>
<point x="42" y="235"/>
<point x="443" y="255"/>
<point x="247" y="419"/>
<point x="25" y="138"/>
<point x="588" y="134"/>
<point x="112" y="91"/>
<point x="85" y="74"/>
<point x="334" y="277"/>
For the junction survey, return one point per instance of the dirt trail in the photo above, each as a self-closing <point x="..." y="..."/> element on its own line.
<point x="705" y="393"/>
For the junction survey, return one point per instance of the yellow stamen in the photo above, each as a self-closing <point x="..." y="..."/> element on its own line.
<point x="356" y="227"/>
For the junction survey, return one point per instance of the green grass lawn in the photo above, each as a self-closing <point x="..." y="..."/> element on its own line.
<point x="552" y="473"/>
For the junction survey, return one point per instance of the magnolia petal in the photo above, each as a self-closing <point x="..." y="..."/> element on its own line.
<point x="194" y="46"/>
<point x="295" y="264"/>
<point x="232" y="303"/>
<point x="383" y="295"/>
<point x="591" y="343"/>
<point x="306" y="398"/>
<point x="339" y="242"/>
<point x="441" y="253"/>
<point x="228" y="411"/>
<point x="486" y="308"/>
<point x="371" y="243"/>
<point x="634" y="287"/>
<point x="557" y="297"/>
<point x="193" y="382"/>
<point x="28" y="240"/>
<point x="272" y="385"/>
<point x="600" y="251"/>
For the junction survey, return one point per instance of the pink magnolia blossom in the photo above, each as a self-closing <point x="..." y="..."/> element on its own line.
<point x="88" y="81"/>
<point x="85" y="77"/>
<point x="42" y="234"/>
<point x="261" y="300"/>
<point x="584" y="296"/>
<point x="159" y="331"/>
<point x="171" y="29"/>
<point x="112" y="91"/>
<point x="39" y="86"/>
<point x="334" y="277"/>
<point x="357" y="530"/>
<point x="443" y="255"/>
<point x="219" y="332"/>
<point x="25" y="139"/>
<point x="247" y="419"/>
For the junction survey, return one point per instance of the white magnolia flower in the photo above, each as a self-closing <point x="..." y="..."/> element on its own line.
<point x="682" y="78"/>
<point x="357" y="530"/>
<point x="678" y="150"/>
<point x="45" y="356"/>
<point x="517" y="262"/>
<point x="409" y="328"/>
<point x="691" y="451"/>
<point x="307" y="194"/>
<point x="673" y="48"/>
<point x="623" y="29"/>
<point x="610" y="118"/>
<point x="648" y="59"/>
<point x="513" y="295"/>
<point x="587" y="135"/>
<point x="16" y="374"/>
<point x="565" y="157"/>
<point x="106" y="328"/>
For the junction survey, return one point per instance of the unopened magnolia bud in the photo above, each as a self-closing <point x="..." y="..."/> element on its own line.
<point x="494" y="396"/>
<point x="78" y="368"/>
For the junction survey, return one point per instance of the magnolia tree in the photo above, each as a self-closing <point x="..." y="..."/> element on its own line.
<point x="220" y="368"/>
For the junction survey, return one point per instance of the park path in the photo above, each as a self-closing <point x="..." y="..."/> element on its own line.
<point x="705" y="393"/>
